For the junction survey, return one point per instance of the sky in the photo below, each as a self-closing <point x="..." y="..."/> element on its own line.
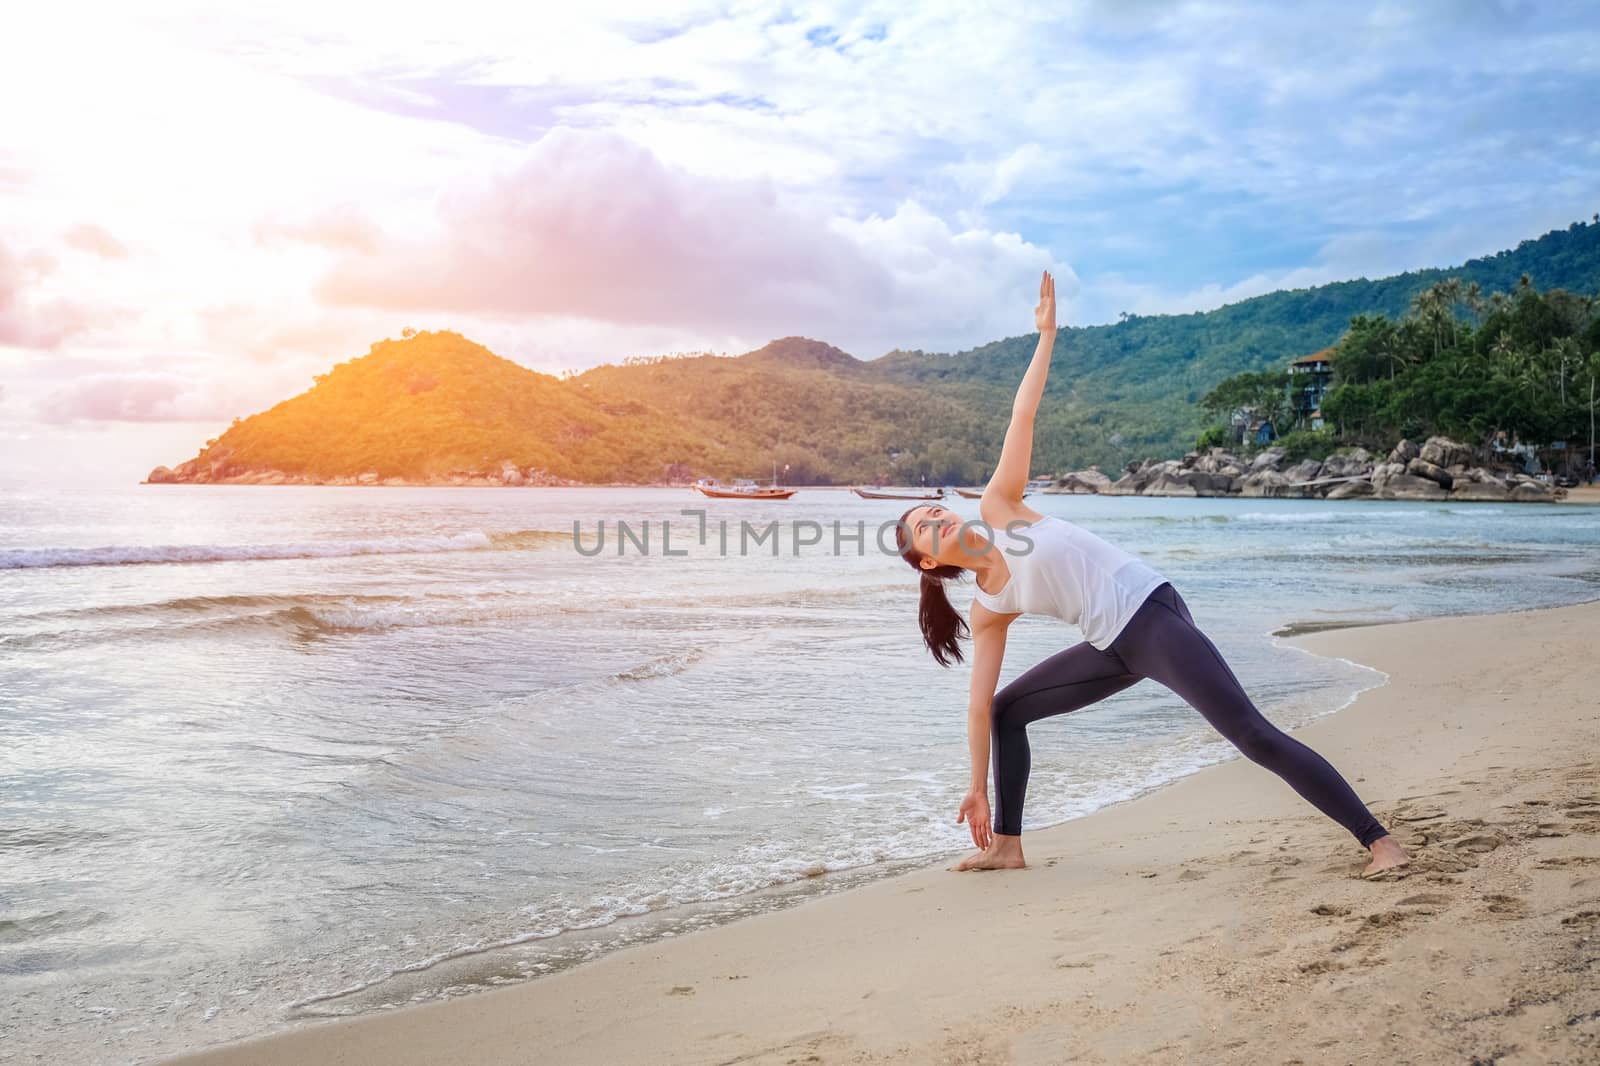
<point x="202" y="205"/>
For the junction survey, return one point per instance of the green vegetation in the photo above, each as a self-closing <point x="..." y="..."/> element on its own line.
<point x="1132" y="390"/>
<point x="1525" y="365"/>
<point x="1521" y="366"/>
<point x="436" y="403"/>
<point x="1419" y="357"/>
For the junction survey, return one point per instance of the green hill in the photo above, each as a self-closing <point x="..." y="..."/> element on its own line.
<point x="434" y="404"/>
<point x="1129" y="390"/>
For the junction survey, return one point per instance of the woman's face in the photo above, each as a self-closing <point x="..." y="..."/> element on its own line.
<point x="937" y="525"/>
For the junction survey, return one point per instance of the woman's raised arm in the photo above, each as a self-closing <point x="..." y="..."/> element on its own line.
<point x="1016" y="454"/>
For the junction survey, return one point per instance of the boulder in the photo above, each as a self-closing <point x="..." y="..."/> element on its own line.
<point x="161" y="476"/>
<point x="1350" y="490"/>
<point x="1531" y="491"/>
<point x="1384" y="471"/>
<point x="1410" y="487"/>
<point x="1082" y="482"/>
<point x="1264" y="483"/>
<point x="1352" y="465"/>
<point x="1189" y="484"/>
<point x="1305" y="470"/>
<point x="1218" y="461"/>
<point x="1267" y="460"/>
<point x="1404" y="452"/>
<point x="1484" y="477"/>
<point x="1444" y="452"/>
<point x="1170" y="485"/>
<point x="1478" y="490"/>
<point x="1141" y="477"/>
<point x="1214" y="484"/>
<point x="1422" y="468"/>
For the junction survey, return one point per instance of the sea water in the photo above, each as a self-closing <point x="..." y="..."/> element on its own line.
<point x="277" y="753"/>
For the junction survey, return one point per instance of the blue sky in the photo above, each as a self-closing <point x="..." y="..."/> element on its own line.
<point x="206" y="204"/>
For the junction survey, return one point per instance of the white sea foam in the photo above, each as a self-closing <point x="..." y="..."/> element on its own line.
<point x="119" y="555"/>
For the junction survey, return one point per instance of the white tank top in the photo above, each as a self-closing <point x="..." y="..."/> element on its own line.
<point x="1064" y="570"/>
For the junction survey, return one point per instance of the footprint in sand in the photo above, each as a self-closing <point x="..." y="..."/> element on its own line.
<point x="1079" y="962"/>
<point x="681" y="990"/>
<point x="1383" y="919"/>
<point x="1191" y="875"/>
<point x="1425" y="899"/>
<point x="1330" y="910"/>
<point x="1322" y="966"/>
<point x="1506" y="906"/>
<point x="1477" y="843"/>
<point x="1583" y="919"/>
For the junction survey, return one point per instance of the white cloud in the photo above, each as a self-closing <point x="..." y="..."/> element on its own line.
<point x="899" y="183"/>
<point x="590" y="225"/>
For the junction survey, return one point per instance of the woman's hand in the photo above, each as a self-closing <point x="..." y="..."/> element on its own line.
<point x="1044" y="316"/>
<point x="975" y="812"/>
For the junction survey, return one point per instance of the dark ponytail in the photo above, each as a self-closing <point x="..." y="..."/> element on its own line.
<point x="942" y="625"/>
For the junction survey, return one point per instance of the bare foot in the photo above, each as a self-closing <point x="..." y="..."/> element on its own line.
<point x="1386" y="855"/>
<point x="1004" y="853"/>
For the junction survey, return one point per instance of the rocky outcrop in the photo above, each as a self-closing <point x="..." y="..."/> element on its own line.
<point x="1358" y="463"/>
<point x="1267" y="460"/>
<point x="1170" y="484"/>
<point x="1420" y="467"/>
<point x="1485" y="491"/>
<point x="1525" y="489"/>
<point x="1264" y="483"/>
<point x="1350" y="490"/>
<point x="1438" y="469"/>
<point x="1305" y="470"/>
<point x="1404" y="452"/>
<point x="1409" y="487"/>
<point x="1081" y="482"/>
<point x="1444" y="452"/>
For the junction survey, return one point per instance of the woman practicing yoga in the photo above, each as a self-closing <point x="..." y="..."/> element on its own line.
<point x="1135" y="625"/>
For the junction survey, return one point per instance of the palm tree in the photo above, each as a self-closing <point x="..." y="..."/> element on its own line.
<point x="1566" y="349"/>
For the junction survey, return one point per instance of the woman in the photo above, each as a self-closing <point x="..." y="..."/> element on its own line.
<point x="1135" y="625"/>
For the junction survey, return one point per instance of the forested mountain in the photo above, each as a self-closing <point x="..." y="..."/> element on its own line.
<point x="1129" y="390"/>
<point x="435" y="403"/>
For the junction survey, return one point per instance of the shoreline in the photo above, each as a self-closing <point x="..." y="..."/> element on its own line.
<point x="1067" y="955"/>
<point x="1582" y="494"/>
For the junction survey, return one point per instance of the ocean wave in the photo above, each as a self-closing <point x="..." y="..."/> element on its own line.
<point x="136" y="554"/>
<point x="661" y="666"/>
<point x="1330" y="515"/>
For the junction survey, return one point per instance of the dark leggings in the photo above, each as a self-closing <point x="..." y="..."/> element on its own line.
<point x="1160" y="642"/>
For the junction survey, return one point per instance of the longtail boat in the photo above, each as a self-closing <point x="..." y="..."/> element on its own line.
<point x="918" y="494"/>
<point x="743" y="488"/>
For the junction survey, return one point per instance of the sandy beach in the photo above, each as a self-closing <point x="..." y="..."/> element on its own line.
<point x="1218" y="919"/>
